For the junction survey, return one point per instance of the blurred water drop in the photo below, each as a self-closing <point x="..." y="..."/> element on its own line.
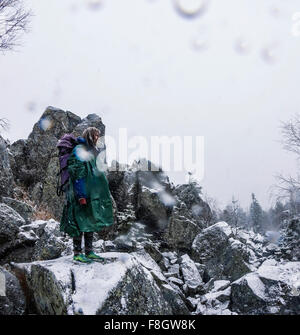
<point x="197" y="210"/>
<point x="242" y="46"/>
<point x="123" y="258"/>
<point x="274" y="11"/>
<point x="95" y="4"/>
<point x="268" y="54"/>
<point x="45" y="123"/>
<point x="191" y="8"/>
<point x="167" y="199"/>
<point x="31" y="106"/>
<point x="200" y="42"/>
<point x="82" y="154"/>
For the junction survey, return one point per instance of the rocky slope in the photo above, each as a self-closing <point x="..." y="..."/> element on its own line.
<point x="164" y="255"/>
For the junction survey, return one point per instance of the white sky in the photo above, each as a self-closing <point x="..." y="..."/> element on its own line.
<point x="132" y="62"/>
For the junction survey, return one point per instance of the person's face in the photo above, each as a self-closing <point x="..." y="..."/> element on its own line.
<point x="96" y="137"/>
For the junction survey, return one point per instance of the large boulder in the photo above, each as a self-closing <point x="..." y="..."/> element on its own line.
<point x="189" y="216"/>
<point x="154" y="202"/>
<point x="273" y="289"/>
<point x="120" y="286"/>
<point x="191" y="276"/>
<point x="181" y="231"/>
<point x="23" y="208"/>
<point x="10" y="221"/>
<point x="123" y="186"/>
<point x="35" y="160"/>
<point x="12" y="299"/>
<point x="31" y="157"/>
<point x="51" y="243"/>
<point x="223" y="256"/>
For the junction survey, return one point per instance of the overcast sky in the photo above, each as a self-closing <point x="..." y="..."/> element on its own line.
<point x="230" y="74"/>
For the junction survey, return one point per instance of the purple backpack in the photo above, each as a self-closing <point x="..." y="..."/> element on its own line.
<point x="65" y="147"/>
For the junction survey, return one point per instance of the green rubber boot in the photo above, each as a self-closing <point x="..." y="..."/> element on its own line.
<point x="91" y="255"/>
<point x="82" y="258"/>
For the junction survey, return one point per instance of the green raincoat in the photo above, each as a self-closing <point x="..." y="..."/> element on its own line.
<point x="98" y="212"/>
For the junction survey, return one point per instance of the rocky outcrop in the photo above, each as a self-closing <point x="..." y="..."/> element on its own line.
<point x="51" y="243"/>
<point x="181" y="231"/>
<point x="12" y="299"/>
<point x="34" y="161"/>
<point x="10" y="221"/>
<point x="189" y="216"/>
<point x="24" y="209"/>
<point x="163" y="255"/>
<point x="123" y="286"/>
<point x="273" y="289"/>
<point x="223" y="256"/>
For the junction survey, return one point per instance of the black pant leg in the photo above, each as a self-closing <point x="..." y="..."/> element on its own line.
<point x="88" y="242"/>
<point x="77" y="244"/>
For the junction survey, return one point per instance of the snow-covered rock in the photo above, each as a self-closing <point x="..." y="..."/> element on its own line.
<point x="12" y="299"/>
<point x="223" y="256"/>
<point x="120" y="286"/>
<point x="191" y="275"/>
<point x="51" y="244"/>
<point x="272" y="289"/>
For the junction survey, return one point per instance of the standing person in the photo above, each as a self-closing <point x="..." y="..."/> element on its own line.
<point x="88" y="206"/>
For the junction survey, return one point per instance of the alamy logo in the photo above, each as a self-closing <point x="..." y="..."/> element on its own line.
<point x="296" y="24"/>
<point x="2" y="285"/>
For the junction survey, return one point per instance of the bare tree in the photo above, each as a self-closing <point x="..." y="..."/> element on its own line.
<point x="4" y="124"/>
<point x="14" y="19"/>
<point x="287" y="188"/>
<point x="291" y="134"/>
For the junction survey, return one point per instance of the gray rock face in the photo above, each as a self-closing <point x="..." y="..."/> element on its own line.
<point x="223" y="256"/>
<point x="12" y="299"/>
<point x="181" y="231"/>
<point x="6" y="176"/>
<point x="214" y="303"/>
<point x="273" y="289"/>
<point x="10" y="221"/>
<point x="35" y="160"/>
<point x="190" y="215"/>
<point x="194" y="206"/>
<point x="191" y="275"/>
<point x="51" y="243"/>
<point x="123" y="286"/>
<point x="123" y="186"/>
<point x="24" y="209"/>
<point x="154" y="202"/>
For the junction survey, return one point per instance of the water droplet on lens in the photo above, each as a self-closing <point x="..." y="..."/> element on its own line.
<point x="242" y="46"/>
<point x="274" y="11"/>
<point x="269" y="54"/>
<point x="31" y="106"/>
<point x="95" y="4"/>
<point x="83" y="154"/>
<point x="200" y="41"/>
<point x="45" y="123"/>
<point x="191" y="8"/>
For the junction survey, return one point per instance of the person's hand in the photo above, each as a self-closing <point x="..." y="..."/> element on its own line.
<point x="82" y="201"/>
